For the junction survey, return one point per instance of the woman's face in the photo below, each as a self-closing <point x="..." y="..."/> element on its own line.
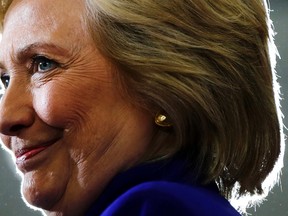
<point x="63" y="115"/>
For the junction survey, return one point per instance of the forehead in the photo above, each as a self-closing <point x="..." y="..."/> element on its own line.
<point x="47" y="10"/>
<point x="40" y="21"/>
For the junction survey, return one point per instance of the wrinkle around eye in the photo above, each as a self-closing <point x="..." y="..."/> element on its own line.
<point x="40" y="79"/>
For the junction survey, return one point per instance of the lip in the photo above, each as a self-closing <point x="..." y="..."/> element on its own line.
<point x="29" y="158"/>
<point x="25" y="154"/>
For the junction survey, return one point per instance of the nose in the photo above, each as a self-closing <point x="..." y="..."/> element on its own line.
<point x="16" y="110"/>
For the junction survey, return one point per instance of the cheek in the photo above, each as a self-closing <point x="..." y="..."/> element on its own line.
<point x="57" y="105"/>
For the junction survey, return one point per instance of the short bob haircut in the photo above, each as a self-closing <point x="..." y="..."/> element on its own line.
<point x="206" y="65"/>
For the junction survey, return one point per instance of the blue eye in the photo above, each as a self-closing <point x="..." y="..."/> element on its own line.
<point x="43" y="64"/>
<point x="5" y="79"/>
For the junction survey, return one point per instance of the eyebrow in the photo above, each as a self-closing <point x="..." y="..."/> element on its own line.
<point x="36" y="48"/>
<point x="22" y="54"/>
<point x="1" y="66"/>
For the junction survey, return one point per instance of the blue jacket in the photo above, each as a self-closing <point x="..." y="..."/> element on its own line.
<point x="163" y="188"/>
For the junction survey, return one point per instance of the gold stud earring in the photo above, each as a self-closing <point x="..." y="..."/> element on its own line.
<point x="162" y="120"/>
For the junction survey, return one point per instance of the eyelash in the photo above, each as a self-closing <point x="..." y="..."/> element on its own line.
<point x="38" y="59"/>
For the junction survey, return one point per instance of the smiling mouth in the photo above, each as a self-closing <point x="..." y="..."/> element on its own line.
<point x="28" y="159"/>
<point x="25" y="154"/>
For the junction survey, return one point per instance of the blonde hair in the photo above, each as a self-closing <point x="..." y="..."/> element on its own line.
<point x="205" y="64"/>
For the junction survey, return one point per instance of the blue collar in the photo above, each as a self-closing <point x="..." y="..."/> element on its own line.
<point x="172" y="170"/>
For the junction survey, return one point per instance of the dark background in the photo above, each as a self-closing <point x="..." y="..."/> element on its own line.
<point x="277" y="202"/>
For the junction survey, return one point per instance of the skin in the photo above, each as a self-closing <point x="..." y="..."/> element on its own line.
<point x="68" y="101"/>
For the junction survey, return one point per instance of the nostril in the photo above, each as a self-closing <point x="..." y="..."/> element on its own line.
<point x="16" y="128"/>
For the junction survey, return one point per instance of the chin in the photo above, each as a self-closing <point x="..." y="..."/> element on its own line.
<point x="44" y="194"/>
